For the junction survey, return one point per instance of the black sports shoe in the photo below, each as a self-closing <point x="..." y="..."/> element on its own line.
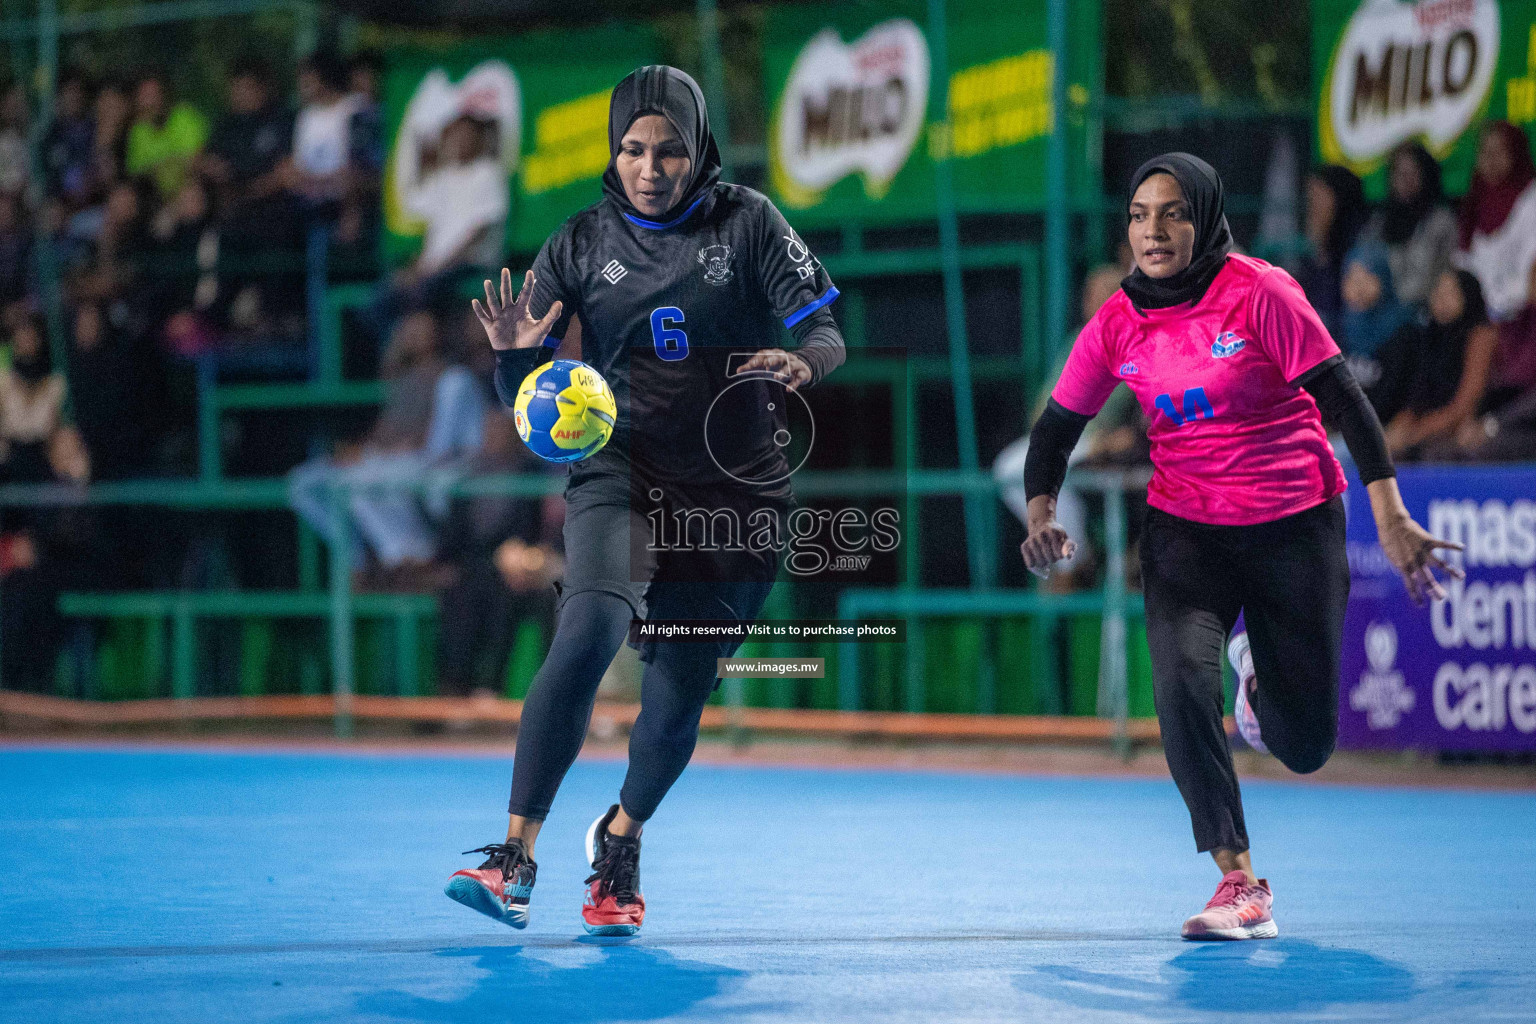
<point x="500" y="887"/>
<point x="613" y="905"/>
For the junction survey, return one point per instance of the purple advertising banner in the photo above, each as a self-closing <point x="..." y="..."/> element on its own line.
<point x="1459" y="674"/>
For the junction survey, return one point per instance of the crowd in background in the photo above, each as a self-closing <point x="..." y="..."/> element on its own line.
<point x="177" y="234"/>
<point x="1432" y="301"/>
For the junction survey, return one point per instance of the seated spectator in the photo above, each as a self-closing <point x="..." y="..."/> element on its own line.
<point x="1372" y="310"/>
<point x="15" y="251"/>
<point x="1507" y="429"/>
<point x="1117" y="436"/>
<point x="1498" y="218"/>
<point x="69" y="145"/>
<point x="1414" y="223"/>
<point x="31" y="408"/>
<point x="166" y="136"/>
<point x="1336" y="212"/>
<point x="464" y="201"/>
<point x="1451" y="353"/>
<point x="15" y="147"/>
<point x="433" y="415"/>
<point x="248" y="144"/>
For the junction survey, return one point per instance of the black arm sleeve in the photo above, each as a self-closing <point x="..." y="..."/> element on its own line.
<point x="1050" y="443"/>
<point x="512" y="365"/>
<point x="821" y="344"/>
<point x="1342" y="402"/>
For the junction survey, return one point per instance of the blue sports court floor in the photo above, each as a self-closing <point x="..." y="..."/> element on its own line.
<point x="169" y="885"/>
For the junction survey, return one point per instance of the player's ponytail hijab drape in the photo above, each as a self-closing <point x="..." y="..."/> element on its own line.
<point x="1206" y="197"/>
<point x="659" y="89"/>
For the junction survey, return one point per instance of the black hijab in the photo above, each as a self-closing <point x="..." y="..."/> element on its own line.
<point x="659" y="89"/>
<point x="1400" y="219"/>
<point x="1213" y="239"/>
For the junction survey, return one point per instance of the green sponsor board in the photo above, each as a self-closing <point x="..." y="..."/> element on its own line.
<point x="546" y="96"/>
<point x="856" y="125"/>
<point x="1388" y="70"/>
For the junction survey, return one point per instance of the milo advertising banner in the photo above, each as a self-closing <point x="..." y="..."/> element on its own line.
<point x="1391" y="70"/>
<point x="1461" y="673"/>
<point x="856" y="126"/>
<point x="542" y="114"/>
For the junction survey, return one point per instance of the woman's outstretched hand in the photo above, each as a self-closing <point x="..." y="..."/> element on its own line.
<point x="1410" y="548"/>
<point x="507" y="321"/>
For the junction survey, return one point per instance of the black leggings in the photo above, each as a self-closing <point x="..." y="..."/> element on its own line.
<point x="604" y="587"/>
<point x="1290" y="580"/>
<point x="676" y="683"/>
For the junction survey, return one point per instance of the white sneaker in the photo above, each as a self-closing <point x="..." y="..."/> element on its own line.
<point x="1247" y="682"/>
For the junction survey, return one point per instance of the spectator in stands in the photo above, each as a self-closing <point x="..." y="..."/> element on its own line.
<point x="1373" y="311"/>
<point x="113" y="115"/>
<point x="249" y="143"/>
<point x="365" y="77"/>
<point x="166" y="136"/>
<point x="322" y="135"/>
<point x="185" y="256"/>
<point x="1498" y="218"/>
<point x="15" y="151"/>
<point x="1414" y="223"/>
<point x="433" y="415"/>
<point x="1117" y="436"/>
<point x="1507" y="429"/>
<point x="1336" y="212"/>
<point x="15" y="251"/>
<point x="107" y="391"/>
<point x="69" y="144"/>
<point x="31" y="406"/>
<point x="464" y="201"/>
<point x="505" y="551"/>
<point x="1450" y="354"/>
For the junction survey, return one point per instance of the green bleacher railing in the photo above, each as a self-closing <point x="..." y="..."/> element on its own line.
<point x="328" y="389"/>
<point x="341" y="607"/>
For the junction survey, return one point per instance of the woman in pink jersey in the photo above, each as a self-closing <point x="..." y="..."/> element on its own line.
<point x="1234" y="370"/>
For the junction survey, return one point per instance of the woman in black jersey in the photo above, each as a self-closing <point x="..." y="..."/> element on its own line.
<point x="679" y="284"/>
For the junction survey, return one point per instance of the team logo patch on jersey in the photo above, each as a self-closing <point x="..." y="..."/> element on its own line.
<point x="1226" y="344"/>
<point x="613" y="271"/>
<point x="1128" y="369"/>
<point x="717" y="263"/>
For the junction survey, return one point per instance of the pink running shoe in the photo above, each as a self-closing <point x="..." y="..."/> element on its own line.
<point x="1242" y="710"/>
<point x="1237" y="911"/>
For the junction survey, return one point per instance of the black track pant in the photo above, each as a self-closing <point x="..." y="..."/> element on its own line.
<point x="601" y="592"/>
<point x="1290" y="580"/>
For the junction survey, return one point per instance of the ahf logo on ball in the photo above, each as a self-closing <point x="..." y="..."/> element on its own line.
<point x="1382" y="693"/>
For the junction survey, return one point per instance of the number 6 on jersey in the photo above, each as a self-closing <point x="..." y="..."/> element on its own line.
<point x="671" y="343"/>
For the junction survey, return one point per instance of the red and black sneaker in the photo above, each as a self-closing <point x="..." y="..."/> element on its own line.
<point x="500" y="887"/>
<point x="613" y="905"/>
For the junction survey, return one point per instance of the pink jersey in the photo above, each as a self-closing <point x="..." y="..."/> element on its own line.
<point x="1232" y="442"/>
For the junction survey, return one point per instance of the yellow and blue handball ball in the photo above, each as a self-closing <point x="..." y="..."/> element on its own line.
<point x="564" y="411"/>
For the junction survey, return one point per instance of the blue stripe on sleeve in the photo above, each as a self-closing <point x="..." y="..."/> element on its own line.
<point x="811" y="307"/>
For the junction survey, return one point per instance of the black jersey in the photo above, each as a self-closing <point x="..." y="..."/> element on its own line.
<point x="668" y="312"/>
